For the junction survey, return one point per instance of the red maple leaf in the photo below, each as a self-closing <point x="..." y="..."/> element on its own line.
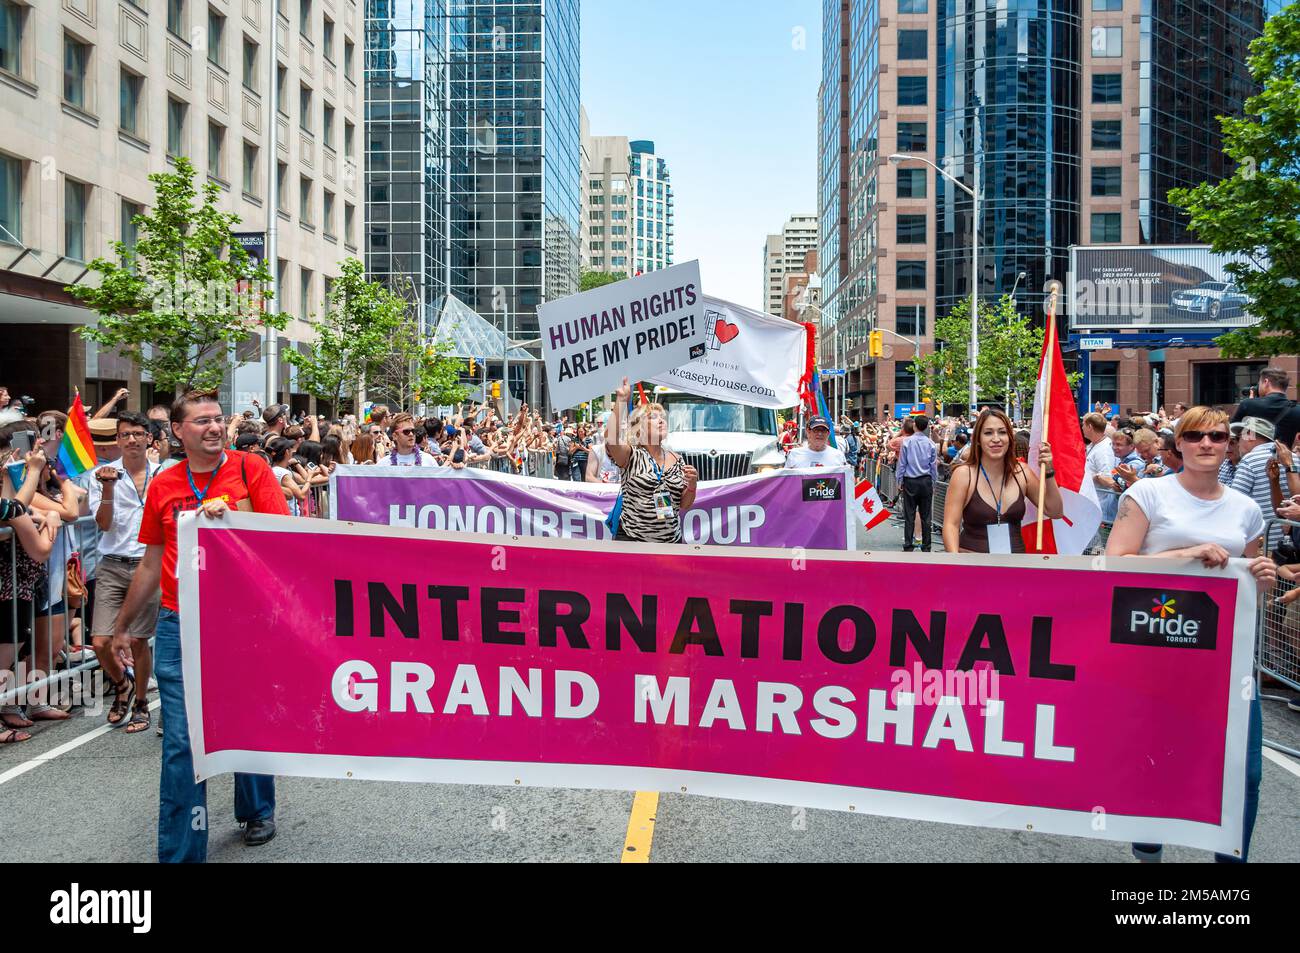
<point x="868" y="505"/>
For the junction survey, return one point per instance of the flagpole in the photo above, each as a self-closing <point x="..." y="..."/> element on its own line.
<point x="1049" y="359"/>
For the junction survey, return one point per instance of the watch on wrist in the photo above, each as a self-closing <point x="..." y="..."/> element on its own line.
<point x="1049" y="475"/>
<point x="1293" y="468"/>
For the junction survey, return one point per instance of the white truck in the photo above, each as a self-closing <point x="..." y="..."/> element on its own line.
<point x="721" y="440"/>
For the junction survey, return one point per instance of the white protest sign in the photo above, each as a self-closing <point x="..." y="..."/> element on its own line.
<point x="750" y="358"/>
<point x="633" y="328"/>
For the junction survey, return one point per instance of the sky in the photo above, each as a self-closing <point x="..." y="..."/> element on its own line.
<point x="727" y="90"/>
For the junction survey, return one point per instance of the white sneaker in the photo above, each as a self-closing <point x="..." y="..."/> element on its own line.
<point x="153" y="684"/>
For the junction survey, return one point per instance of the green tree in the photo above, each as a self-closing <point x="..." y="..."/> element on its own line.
<point x="182" y="298"/>
<point x="353" y="335"/>
<point x="595" y="279"/>
<point x="410" y="369"/>
<point x="1255" y="213"/>
<point x="1010" y="348"/>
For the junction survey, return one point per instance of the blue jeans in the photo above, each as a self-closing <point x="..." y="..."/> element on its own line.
<point x="1254" y="771"/>
<point x="183" y="803"/>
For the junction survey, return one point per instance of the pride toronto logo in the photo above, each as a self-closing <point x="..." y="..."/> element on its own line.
<point x="1167" y="618"/>
<point x="820" y="488"/>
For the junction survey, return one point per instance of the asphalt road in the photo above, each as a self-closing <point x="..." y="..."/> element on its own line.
<point x="77" y="793"/>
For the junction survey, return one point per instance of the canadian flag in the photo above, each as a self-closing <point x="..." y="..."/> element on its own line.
<point x="1071" y="534"/>
<point x="867" y="505"/>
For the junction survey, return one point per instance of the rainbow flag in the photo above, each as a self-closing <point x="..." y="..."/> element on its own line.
<point x="822" y="409"/>
<point x="77" y="452"/>
<point x="366" y="417"/>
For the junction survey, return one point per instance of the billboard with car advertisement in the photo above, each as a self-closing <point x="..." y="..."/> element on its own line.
<point x="1154" y="287"/>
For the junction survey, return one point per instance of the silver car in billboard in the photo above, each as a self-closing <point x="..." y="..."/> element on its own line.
<point x="1214" y="299"/>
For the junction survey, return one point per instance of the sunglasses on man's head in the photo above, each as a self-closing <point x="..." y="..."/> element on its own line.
<point x="1196" y="436"/>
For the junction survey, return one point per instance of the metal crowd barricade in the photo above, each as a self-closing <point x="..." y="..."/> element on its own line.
<point x="541" y="463"/>
<point x="46" y="676"/>
<point x="1277" y="634"/>
<point x="318" y="501"/>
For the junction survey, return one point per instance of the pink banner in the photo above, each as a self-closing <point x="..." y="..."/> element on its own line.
<point x="1051" y="694"/>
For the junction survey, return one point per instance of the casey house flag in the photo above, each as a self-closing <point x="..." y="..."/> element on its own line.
<point x="1071" y="534"/>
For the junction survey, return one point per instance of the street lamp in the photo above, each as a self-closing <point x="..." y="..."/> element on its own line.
<point x="895" y="159"/>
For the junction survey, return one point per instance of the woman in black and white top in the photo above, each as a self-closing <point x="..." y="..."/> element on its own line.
<point x="657" y="484"/>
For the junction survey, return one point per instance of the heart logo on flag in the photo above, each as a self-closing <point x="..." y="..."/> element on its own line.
<point x="725" y="331"/>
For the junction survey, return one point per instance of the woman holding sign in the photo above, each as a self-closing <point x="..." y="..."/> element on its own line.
<point x="1191" y="515"/>
<point x="986" y="494"/>
<point x="657" y="483"/>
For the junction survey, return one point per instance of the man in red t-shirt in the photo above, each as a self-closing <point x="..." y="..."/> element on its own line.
<point x="216" y="481"/>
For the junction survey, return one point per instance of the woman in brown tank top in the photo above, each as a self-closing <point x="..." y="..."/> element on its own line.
<point x="986" y="495"/>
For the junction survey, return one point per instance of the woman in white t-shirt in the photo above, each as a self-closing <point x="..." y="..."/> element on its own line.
<point x="1191" y="515"/>
<point x="280" y="450"/>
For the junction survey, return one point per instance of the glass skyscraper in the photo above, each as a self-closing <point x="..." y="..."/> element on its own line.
<point x="515" y="159"/>
<point x="406" y="177"/>
<point x="1080" y="116"/>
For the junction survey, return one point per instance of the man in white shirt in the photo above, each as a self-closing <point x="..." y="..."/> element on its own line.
<point x="117" y="495"/>
<point x="404" y="452"/>
<point x="815" y="452"/>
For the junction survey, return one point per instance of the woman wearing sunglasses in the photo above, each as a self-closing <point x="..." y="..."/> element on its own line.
<point x="1191" y="515"/>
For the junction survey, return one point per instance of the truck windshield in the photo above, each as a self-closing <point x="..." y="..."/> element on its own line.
<point x="699" y="414"/>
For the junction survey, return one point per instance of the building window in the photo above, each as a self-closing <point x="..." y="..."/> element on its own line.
<point x="130" y="231"/>
<point x="12" y="21"/>
<point x="327" y="127"/>
<point x="304" y="18"/>
<point x="1107" y="41"/>
<point x="76" y="64"/>
<point x="129" y="102"/>
<point x="1104" y="382"/>
<point x="1107" y="6"/>
<point x="250" y="169"/>
<point x="216" y="34"/>
<point x="913" y="6"/>
<point x="349" y="131"/>
<point x="1106" y="134"/>
<point x="1105" y="228"/>
<point x="912" y="137"/>
<point x="911" y="275"/>
<point x="75" y="195"/>
<point x="216" y="150"/>
<point x="304" y="108"/>
<point x="282" y="187"/>
<point x="912" y="44"/>
<point x="1107" y="89"/>
<point x="596" y="184"/>
<point x="304" y="295"/>
<point x="176" y="17"/>
<point x="304" y="201"/>
<point x="911" y="229"/>
<point x="911" y="183"/>
<point x="327" y="40"/>
<point x="327" y="213"/>
<point x="1105" y="181"/>
<point x="250" y="64"/>
<point x="1220" y="383"/>
<point x="913" y="90"/>
<point x="349" y="216"/>
<point x="909" y="319"/>
<point x="348" y="48"/>
<point x="175" y="127"/>
<point x="11" y="199"/>
<point x="904" y="382"/>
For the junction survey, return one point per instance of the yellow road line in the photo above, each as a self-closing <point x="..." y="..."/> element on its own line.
<point x="640" y="828"/>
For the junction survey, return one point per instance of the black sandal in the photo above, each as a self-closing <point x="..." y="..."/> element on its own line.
<point x="123" y="692"/>
<point x="139" y="717"/>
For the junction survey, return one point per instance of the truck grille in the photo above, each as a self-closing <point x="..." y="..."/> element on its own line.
<point x="720" y="467"/>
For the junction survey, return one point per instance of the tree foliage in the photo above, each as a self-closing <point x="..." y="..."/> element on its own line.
<point x="186" y="294"/>
<point x="1255" y="213"/>
<point x="407" y="368"/>
<point x="597" y="279"/>
<point x="1010" y="349"/>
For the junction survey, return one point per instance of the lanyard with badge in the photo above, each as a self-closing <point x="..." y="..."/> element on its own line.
<point x="999" y="533"/>
<point x="664" y="508"/>
<point x="189" y="474"/>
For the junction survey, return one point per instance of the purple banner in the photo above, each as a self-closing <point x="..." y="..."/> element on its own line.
<point x="785" y="509"/>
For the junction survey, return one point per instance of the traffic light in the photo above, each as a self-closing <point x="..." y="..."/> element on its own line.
<point x="496" y="390"/>
<point x="471" y="367"/>
<point x="875" y="344"/>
